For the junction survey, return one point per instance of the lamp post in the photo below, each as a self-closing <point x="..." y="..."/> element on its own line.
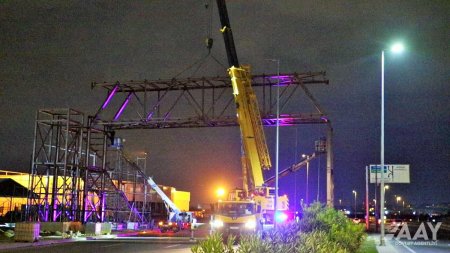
<point x="277" y="151"/>
<point x="386" y="187"/>
<point x="354" y="192"/>
<point x="277" y="139"/>
<point x="307" y="177"/>
<point x="398" y="198"/>
<point x="396" y="48"/>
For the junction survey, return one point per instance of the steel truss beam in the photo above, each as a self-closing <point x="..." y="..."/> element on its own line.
<point x="201" y="102"/>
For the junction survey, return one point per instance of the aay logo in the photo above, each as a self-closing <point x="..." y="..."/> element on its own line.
<point x="421" y="232"/>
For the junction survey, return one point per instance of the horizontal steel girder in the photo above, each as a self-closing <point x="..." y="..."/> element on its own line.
<point x="202" y="102"/>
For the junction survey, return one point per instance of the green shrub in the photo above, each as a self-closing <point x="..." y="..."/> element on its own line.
<point x="338" y="228"/>
<point x="318" y="242"/>
<point x="254" y="244"/>
<point x="214" y="244"/>
<point x="322" y="229"/>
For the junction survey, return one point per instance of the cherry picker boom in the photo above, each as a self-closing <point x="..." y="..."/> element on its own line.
<point x="177" y="219"/>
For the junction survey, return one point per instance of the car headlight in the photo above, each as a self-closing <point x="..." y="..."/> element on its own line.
<point x="216" y="223"/>
<point x="250" y="224"/>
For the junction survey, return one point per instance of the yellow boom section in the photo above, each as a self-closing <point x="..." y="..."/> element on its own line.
<point x="249" y="119"/>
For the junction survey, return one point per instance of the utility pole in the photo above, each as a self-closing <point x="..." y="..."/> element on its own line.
<point x="330" y="180"/>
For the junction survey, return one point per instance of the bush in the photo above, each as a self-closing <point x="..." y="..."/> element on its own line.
<point x="322" y="229"/>
<point x="214" y="244"/>
<point x="319" y="242"/>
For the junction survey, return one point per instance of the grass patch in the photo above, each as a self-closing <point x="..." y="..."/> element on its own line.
<point x="368" y="246"/>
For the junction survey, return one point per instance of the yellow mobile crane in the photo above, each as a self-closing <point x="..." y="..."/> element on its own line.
<point x="247" y="209"/>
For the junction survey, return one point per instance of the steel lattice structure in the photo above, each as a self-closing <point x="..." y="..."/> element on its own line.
<point x="76" y="175"/>
<point x="56" y="191"/>
<point x="204" y="102"/>
<point x="207" y="102"/>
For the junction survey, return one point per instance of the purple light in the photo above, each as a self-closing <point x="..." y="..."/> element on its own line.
<point x="284" y="80"/>
<point x="110" y="96"/>
<point x="150" y="115"/>
<point x="280" y="217"/>
<point x="125" y="103"/>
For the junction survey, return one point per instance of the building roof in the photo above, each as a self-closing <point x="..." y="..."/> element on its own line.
<point x="10" y="188"/>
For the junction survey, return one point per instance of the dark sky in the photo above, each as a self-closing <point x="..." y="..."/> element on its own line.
<point x="50" y="52"/>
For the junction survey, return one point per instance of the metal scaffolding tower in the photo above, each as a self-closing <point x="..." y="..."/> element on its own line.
<point x="56" y="185"/>
<point x="77" y="176"/>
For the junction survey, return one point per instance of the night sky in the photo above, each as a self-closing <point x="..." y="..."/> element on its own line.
<point x="51" y="51"/>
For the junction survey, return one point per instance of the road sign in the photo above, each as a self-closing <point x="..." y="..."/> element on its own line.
<point x="393" y="173"/>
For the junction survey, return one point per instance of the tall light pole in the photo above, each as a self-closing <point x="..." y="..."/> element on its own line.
<point x="396" y="48"/>
<point x="307" y="178"/>
<point x="277" y="148"/>
<point x="354" y="192"/>
<point x="277" y="151"/>
<point x="398" y="198"/>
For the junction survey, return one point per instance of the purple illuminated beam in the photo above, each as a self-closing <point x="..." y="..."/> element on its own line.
<point x="284" y="80"/>
<point x="111" y="94"/>
<point x="125" y="103"/>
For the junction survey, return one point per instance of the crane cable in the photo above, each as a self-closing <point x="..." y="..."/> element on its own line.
<point x="209" y="43"/>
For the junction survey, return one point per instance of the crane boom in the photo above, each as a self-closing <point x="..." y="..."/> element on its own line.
<point x="255" y="149"/>
<point x="227" y="34"/>
<point x="245" y="211"/>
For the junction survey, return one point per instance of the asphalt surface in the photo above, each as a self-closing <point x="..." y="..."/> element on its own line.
<point x="412" y="246"/>
<point x="123" y="241"/>
<point x="109" y="246"/>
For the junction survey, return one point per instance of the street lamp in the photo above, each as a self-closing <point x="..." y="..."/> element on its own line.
<point x="354" y="192"/>
<point x="307" y="177"/>
<point x="277" y="137"/>
<point x="398" y="199"/>
<point x="396" y="48"/>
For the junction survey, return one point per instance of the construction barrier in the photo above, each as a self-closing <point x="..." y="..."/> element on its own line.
<point x="27" y="232"/>
<point x="98" y="228"/>
<point x="62" y="227"/>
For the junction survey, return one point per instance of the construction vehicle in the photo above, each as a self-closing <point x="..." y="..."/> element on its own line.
<point x="177" y="219"/>
<point x="248" y="209"/>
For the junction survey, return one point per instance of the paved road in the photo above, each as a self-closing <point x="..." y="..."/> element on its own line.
<point x="412" y="246"/>
<point x="108" y="246"/>
<point x="422" y="246"/>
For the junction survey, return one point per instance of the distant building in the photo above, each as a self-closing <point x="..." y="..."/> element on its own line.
<point x="15" y="198"/>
